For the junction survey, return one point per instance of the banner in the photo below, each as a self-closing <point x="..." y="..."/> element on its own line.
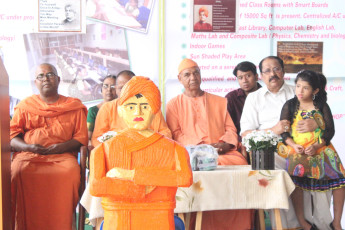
<point x="306" y="35"/>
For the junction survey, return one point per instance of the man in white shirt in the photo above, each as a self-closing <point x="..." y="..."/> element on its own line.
<point x="261" y="111"/>
<point x="262" y="107"/>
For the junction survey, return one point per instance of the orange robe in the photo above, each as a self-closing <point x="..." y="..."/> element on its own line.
<point x="45" y="187"/>
<point x="205" y="120"/>
<point x="108" y="120"/>
<point x="158" y="161"/>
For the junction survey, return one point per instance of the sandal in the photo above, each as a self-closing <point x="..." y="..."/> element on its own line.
<point x="313" y="226"/>
<point x="331" y="225"/>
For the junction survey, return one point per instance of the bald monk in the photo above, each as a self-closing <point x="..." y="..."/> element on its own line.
<point x="138" y="171"/>
<point x="197" y="117"/>
<point x="108" y="119"/>
<point x="46" y="132"/>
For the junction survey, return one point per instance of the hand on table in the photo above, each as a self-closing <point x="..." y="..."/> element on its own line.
<point x="222" y="147"/>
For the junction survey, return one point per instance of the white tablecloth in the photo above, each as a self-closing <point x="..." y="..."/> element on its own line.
<point x="92" y="205"/>
<point x="235" y="187"/>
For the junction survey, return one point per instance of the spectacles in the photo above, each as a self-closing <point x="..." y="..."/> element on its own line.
<point x="106" y="86"/>
<point x="49" y="76"/>
<point x="275" y="69"/>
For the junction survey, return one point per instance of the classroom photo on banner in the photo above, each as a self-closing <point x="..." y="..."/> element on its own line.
<point x="82" y="60"/>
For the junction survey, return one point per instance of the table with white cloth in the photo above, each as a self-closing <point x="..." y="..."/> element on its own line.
<point x="92" y="205"/>
<point x="235" y="187"/>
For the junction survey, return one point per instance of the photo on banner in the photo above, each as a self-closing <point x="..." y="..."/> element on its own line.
<point x="61" y="16"/>
<point x="298" y="56"/>
<point x="215" y="16"/>
<point x="82" y="60"/>
<point x="130" y="14"/>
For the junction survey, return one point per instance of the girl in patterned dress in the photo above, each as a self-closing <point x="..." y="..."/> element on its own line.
<point x="313" y="163"/>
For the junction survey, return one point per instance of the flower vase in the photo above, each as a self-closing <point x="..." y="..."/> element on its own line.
<point x="263" y="159"/>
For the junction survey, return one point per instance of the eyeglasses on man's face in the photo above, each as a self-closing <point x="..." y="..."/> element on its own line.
<point x="49" y="76"/>
<point x="106" y="86"/>
<point x="274" y="69"/>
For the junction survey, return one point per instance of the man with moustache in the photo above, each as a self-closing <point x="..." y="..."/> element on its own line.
<point x="261" y="111"/>
<point x="267" y="101"/>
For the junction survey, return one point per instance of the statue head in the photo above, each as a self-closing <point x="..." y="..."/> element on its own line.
<point x="140" y="100"/>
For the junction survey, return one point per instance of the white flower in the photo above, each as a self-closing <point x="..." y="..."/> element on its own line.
<point x="261" y="139"/>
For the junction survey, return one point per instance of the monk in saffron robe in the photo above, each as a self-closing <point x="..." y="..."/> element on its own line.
<point x="46" y="132"/>
<point x="108" y="120"/>
<point x="197" y="117"/>
<point x="138" y="171"/>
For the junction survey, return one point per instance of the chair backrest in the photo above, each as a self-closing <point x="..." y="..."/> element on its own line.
<point x="83" y="156"/>
<point x="179" y="225"/>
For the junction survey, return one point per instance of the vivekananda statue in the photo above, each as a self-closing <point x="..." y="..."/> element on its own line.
<point x="137" y="172"/>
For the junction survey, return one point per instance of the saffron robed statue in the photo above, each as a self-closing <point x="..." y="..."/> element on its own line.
<point x="137" y="172"/>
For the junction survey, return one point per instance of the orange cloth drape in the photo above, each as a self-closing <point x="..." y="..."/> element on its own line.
<point x="45" y="187"/>
<point x="205" y="120"/>
<point x="158" y="161"/>
<point x="108" y="120"/>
